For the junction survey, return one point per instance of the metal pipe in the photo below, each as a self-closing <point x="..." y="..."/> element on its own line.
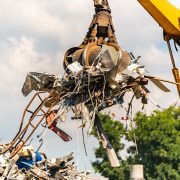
<point x="175" y="70"/>
<point x="137" y="172"/>
<point x="171" y="54"/>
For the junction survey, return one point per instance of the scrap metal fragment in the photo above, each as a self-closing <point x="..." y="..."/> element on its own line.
<point x="54" y="169"/>
<point x="106" y="144"/>
<point x="38" y="81"/>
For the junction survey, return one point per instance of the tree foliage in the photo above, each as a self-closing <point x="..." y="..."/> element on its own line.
<point x="158" y="142"/>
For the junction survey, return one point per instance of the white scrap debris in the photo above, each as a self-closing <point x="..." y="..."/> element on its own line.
<point x="75" y="67"/>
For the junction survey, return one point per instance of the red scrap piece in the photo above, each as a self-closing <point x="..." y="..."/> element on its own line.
<point x="124" y="118"/>
<point x="51" y="122"/>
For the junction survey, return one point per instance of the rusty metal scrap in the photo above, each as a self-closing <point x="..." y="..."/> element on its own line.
<point x="47" y="169"/>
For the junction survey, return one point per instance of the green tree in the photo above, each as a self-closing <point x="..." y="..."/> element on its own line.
<point x="158" y="142"/>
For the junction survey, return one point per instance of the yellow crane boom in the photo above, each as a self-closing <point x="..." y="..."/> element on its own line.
<point x="168" y="17"/>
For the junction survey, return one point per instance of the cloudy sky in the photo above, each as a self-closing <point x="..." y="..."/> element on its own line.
<point x="34" y="35"/>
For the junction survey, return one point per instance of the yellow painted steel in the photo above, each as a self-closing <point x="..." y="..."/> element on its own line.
<point x="177" y="79"/>
<point x="166" y="15"/>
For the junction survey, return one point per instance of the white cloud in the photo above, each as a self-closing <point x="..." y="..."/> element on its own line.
<point x="176" y="3"/>
<point x="43" y="18"/>
<point x="29" y="15"/>
<point x="19" y="56"/>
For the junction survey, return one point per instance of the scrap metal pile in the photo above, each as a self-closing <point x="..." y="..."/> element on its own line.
<point x="29" y="165"/>
<point x="98" y="74"/>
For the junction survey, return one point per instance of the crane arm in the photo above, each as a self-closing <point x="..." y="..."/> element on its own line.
<point x="166" y="15"/>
